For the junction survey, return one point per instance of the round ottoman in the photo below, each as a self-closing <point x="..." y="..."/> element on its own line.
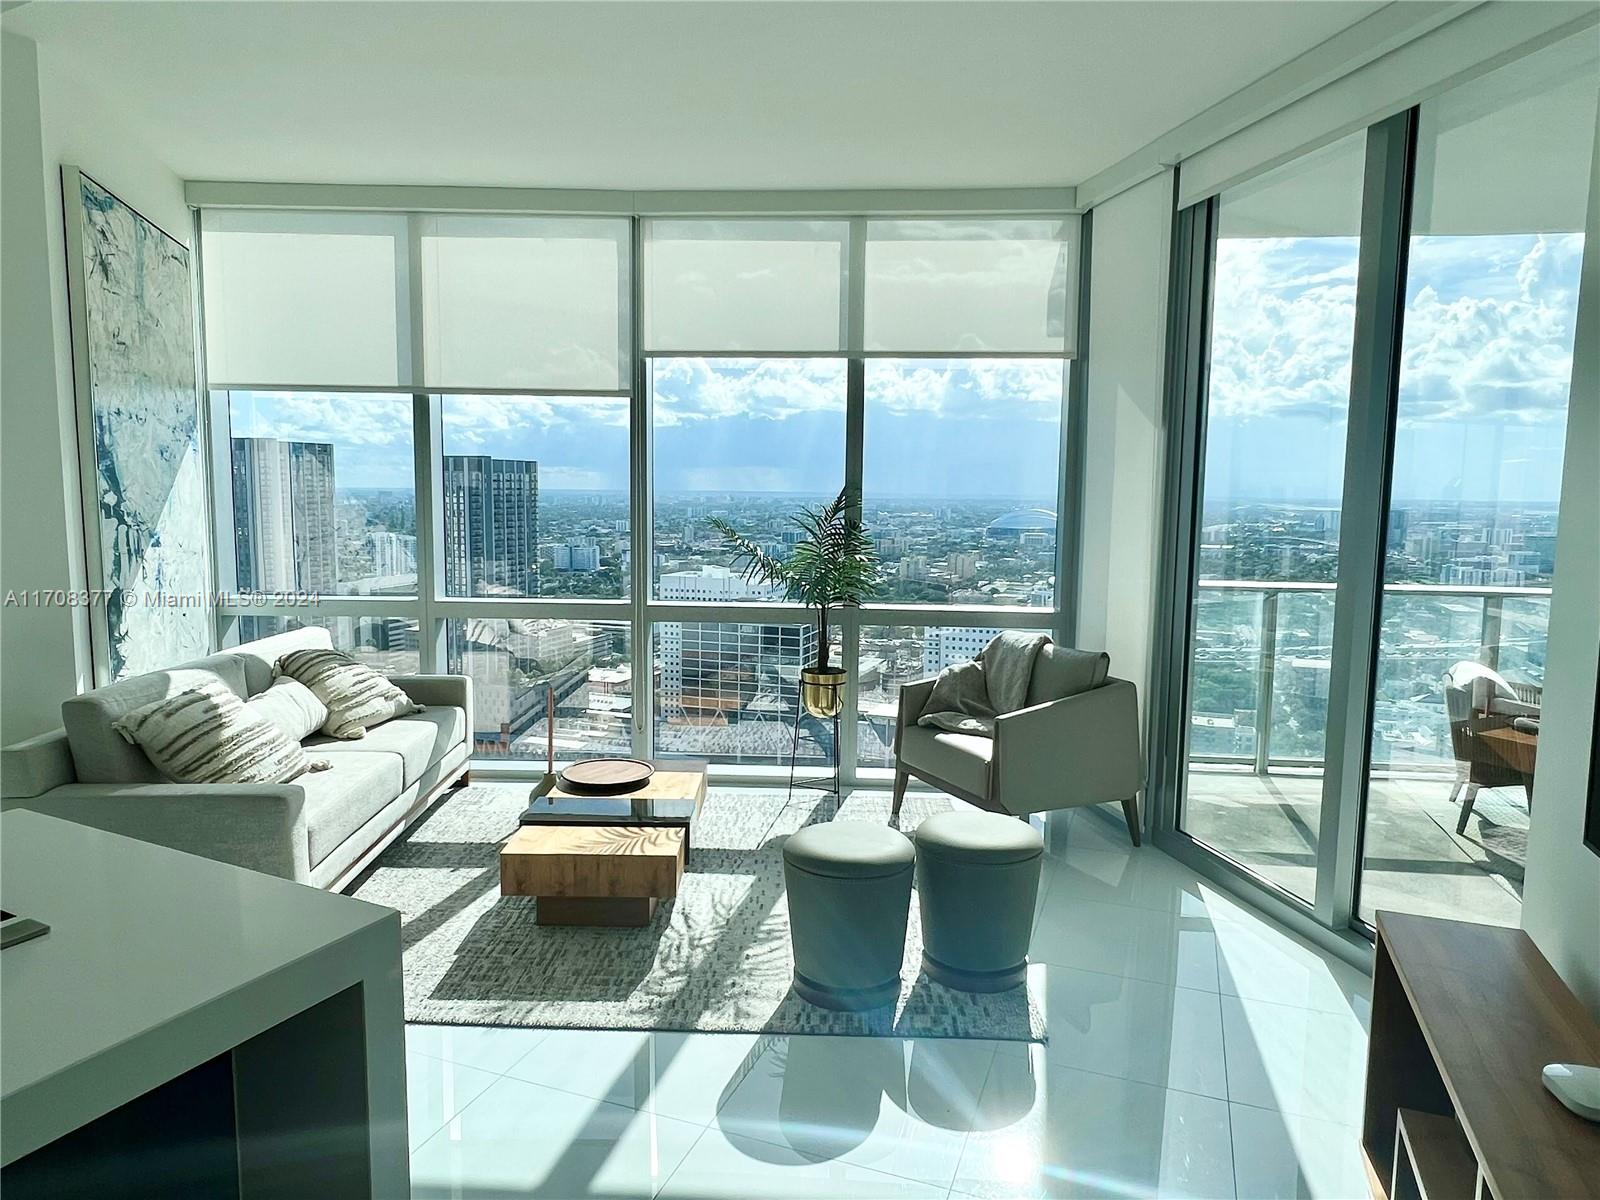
<point x="977" y="877"/>
<point x="849" y="888"/>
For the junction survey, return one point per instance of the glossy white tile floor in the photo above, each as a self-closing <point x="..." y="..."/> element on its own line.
<point x="1195" y="1049"/>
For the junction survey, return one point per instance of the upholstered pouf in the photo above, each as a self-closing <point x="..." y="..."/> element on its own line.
<point x="977" y="880"/>
<point x="849" y="888"/>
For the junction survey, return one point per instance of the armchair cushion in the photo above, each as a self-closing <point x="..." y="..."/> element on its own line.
<point x="959" y="759"/>
<point x="1061" y="671"/>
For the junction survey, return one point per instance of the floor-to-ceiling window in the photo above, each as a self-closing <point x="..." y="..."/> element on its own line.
<point x="1496" y="241"/>
<point x="1282" y="326"/>
<point x="496" y="445"/>
<point x="1373" y="345"/>
<point x="965" y="324"/>
<point x="422" y="443"/>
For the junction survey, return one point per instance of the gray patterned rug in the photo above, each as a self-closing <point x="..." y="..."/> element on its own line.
<point x="714" y="959"/>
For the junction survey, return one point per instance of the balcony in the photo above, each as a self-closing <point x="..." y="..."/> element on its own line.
<point x="1258" y="719"/>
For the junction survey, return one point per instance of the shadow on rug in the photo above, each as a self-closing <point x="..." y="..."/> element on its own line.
<point x="714" y="959"/>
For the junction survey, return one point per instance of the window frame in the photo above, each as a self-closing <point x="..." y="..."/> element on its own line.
<point x="432" y="607"/>
<point x="1331" y="917"/>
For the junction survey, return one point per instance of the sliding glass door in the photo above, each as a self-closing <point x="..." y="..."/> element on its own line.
<point x="1282" y="321"/>
<point x="1491" y="300"/>
<point x="1372" y="346"/>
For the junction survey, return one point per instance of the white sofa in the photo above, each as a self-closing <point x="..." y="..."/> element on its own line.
<point x="320" y="829"/>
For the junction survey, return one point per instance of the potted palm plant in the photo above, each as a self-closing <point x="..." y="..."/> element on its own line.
<point x="835" y="566"/>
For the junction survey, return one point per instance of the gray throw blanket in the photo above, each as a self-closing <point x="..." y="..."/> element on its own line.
<point x="967" y="697"/>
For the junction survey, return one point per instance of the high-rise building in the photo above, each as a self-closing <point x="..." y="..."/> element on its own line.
<point x="491" y="525"/>
<point x="575" y="556"/>
<point x="392" y="553"/>
<point x="962" y="564"/>
<point x="944" y="646"/>
<point x="283" y="516"/>
<point x="724" y="670"/>
<point x="711" y="583"/>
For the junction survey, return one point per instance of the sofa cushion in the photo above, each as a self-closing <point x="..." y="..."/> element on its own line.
<point x="261" y="656"/>
<point x="358" y="698"/>
<point x="341" y="800"/>
<point x="959" y="759"/>
<point x="99" y="753"/>
<point x="209" y="735"/>
<point x="1061" y="671"/>
<point x="419" y="741"/>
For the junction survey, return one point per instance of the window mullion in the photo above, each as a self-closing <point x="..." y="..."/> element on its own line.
<point x="641" y="502"/>
<point x="1368" y="467"/>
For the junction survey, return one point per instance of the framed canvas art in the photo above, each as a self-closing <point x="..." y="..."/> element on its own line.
<point x="139" y="437"/>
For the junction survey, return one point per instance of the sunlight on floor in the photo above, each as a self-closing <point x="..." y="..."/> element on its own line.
<point x="1194" y="1049"/>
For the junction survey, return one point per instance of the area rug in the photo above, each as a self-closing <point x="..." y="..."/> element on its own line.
<point x="714" y="959"/>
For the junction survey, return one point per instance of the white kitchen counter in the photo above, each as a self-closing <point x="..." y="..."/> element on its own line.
<point x="157" y="962"/>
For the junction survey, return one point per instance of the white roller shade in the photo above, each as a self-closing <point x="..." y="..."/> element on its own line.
<point x="725" y="286"/>
<point x="305" y="299"/>
<point x="968" y="286"/>
<point x="525" y="302"/>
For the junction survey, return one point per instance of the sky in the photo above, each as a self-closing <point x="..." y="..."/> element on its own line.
<point x="1485" y="367"/>
<point x="989" y="429"/>
<point x="1486" y="362"/>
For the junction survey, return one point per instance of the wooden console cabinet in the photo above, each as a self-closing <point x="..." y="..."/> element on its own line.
<point x="1464" y="1018"/>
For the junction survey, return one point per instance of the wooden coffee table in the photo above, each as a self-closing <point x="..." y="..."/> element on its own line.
<point x="604" y="860"/>
<point x="593" y="874"/>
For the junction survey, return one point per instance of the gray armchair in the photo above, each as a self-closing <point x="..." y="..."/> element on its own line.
<point x="1075" y="743"/>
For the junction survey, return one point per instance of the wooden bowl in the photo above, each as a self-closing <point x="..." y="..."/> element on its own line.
<point x="606" y="776"/>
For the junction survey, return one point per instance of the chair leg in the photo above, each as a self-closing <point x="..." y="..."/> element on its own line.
<point x="1130" y="810"/>
<point x="1466" y="807"/>
<point x="901" y="778"/>
<point x="1456" y="791"/>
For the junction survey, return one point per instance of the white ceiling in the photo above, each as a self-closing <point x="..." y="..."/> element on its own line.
<point x="668" y="94"/>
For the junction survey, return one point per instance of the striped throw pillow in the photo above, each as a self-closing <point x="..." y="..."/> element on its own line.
<point x="357" y="696"/>
<point x="290" y="706"/>
<point x="208" y="735"/>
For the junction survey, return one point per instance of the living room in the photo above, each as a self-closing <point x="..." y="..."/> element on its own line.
<point x="779" y="599"/>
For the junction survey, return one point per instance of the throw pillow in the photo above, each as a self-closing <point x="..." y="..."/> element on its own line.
<point x="357" y="696"/>
<point x="208" y="735"/>
<point x="290" y="706"/>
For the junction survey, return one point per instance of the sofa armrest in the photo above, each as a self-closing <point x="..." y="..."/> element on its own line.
<point x="34" y="766"/>
<point x="1083" y="749"/>
<point x="439" y="691"/>
<point x="257" y="825"/>
<point x="913" y="700"/>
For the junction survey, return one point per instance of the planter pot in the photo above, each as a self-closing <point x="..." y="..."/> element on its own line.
<point x="822" y="692"/>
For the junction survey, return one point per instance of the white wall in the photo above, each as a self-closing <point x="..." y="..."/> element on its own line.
<point x="1123" y="442"/>
<point x="37" y="644"/>
<point x="1561" y="901"/>
<point x="51" y="117"/>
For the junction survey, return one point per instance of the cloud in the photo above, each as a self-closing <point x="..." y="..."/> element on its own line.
<point x="691" y="390"/>
<point x="1489" y="328"/>
<point x="1000" y="390"/>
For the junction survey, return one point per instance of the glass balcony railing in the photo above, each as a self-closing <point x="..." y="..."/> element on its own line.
<point x="1262" y="652"/>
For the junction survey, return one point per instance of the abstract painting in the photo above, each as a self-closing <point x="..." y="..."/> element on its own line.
<point x="147" y="525"/>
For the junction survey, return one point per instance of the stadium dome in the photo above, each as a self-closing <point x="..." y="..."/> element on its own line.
<point x="1012" y="526"/>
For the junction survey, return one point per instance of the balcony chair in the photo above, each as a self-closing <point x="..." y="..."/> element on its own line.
<point x="1477" y="698"/>
<point x="1075" y="743"/>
